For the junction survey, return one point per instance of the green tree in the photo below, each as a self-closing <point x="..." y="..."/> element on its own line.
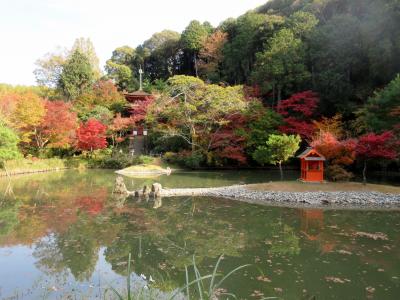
<point x="49" y="68"/>
<point x="86" y="47"/>
<point x="246" y="37"/>
<point x="261" y="123"/>
<point x="193" y="38"/>
<point x="302" y="23"/>
<point x="337" y="60"/>
<point x="382" y="111"/>
<point x="120" y="68"/>
<point x="8" y="143"/>
<point x="194" y="110"/>
<point x="158" y="39"/>
<point x="77" y="75"/>
<point x="278" y="149"/>
<point x="281" y="68"/>
<point x="162" y="54"/>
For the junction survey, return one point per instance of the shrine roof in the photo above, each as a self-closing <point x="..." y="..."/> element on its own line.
<point x="305" y="154"/>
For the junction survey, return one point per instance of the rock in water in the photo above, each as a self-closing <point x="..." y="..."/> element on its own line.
<point x="145" y="191"/>
<point x="156" y="188"/>
<point x="120" y="187"/>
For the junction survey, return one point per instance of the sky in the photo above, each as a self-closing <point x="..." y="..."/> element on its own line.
<point x="31" y="28"/>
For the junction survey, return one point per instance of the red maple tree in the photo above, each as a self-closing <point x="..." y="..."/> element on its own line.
<point x="91" y="135"/>
<point x="226" y="143"/>
<point x="376" y="146"/>
<point x="338" y="152"/>
<point x="57" y="129"/>
<point x="297" y="112"/>
<point x="119" y="128"/>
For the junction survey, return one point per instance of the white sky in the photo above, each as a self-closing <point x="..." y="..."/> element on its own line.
<point x="31" y="28"/>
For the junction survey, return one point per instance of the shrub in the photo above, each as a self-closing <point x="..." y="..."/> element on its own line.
<point x="170" y="157"/>
<point x="8" y="144"/>
<point x="194" y="161"/>
<point x="338" y="173"/>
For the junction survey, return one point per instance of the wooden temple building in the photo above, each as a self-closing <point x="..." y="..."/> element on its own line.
<point x="312" y="166"/>
<point x="138" y="102"/>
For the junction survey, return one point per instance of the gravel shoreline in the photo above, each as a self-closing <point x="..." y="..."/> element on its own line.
<point x="351" y="199"/>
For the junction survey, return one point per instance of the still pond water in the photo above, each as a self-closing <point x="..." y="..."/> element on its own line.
<point x="64" y="236"/>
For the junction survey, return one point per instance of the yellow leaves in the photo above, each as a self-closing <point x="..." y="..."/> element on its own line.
<point x="28" y="113"/>
<point x="332" y="125"/>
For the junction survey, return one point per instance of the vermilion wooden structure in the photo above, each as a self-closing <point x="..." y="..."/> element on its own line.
<point x="312" y="166"/>
<point x="136" y="101"/>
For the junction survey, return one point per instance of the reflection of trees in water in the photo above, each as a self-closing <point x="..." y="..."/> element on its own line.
<point x="49" y="257"/>
<point x="163" y="241"/>
<point x="84" y="217"/>
<point x="8" y="217"/>
<point x="286" y="243"/>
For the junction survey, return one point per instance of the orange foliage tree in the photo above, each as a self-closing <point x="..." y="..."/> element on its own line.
<point x="57" y="129"/>
<point x="103" y="93"/>
<point x="118" y="128"/>
<point x="339" y="153"/>
<point x="211" y="55"/>
<point x="27" y="115"/>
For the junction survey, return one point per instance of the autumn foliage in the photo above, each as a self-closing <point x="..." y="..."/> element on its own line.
<point x="91" y="135"/>
<point x="139" y="110"/>
<point x="57" y="129"/>
<point x="373" y="145"/>
<point x="298" y="112"/>
<point x="226" y="143"/>
<point x="335" y="151"/>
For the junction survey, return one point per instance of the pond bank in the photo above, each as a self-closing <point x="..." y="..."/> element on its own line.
<point x="23" y="172"/>
<point x="250" y="193"/>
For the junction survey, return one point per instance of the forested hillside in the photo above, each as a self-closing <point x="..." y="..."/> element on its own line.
<point x="342" y="49"/>
<point x="325" y="71"/>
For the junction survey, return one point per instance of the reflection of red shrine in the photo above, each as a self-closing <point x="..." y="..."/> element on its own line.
<point x="312" y="226"/>
<point x="312" y="166"/>
<point x="138" y="102"/>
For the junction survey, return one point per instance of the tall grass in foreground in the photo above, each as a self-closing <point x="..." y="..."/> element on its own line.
<point x="202" y="287"/>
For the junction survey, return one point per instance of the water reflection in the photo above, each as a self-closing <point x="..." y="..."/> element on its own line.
<point x="80" y="233"/>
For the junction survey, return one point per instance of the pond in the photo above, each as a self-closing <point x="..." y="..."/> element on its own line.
<point x="65" y="236"/>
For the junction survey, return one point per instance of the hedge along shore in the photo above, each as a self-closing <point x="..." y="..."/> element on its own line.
<point x="28" y="166"/>
<point x="22" y="172"/>
<point x="337" y="199"/>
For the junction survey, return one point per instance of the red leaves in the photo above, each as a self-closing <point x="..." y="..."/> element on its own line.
<point x="118" y="128"/>
<point x="303" y="104"/>
<point x="139" y="109"/>
<point x="335" y="151"/>
<point x="91" y="205"/>
<point x="91" y="135"/>
<point x="294" y="126"/>
<point x="297" y="112"/>
<point x="226" y="143"/>
<point x="59" y="124"/>
<point x="373" y="145"/>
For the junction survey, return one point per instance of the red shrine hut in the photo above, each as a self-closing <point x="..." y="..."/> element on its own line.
<point x="312" y="166"/>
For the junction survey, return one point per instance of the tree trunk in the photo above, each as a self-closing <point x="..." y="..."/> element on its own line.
<point x="273" y="96"/>
<point x="193" y="136"/>
<point x="195" y="65"/>
<point x="280" y="169"/>
<point x="313" y="77"/>
<point x="365" y="173"/>
<point x="278" y="102"/>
